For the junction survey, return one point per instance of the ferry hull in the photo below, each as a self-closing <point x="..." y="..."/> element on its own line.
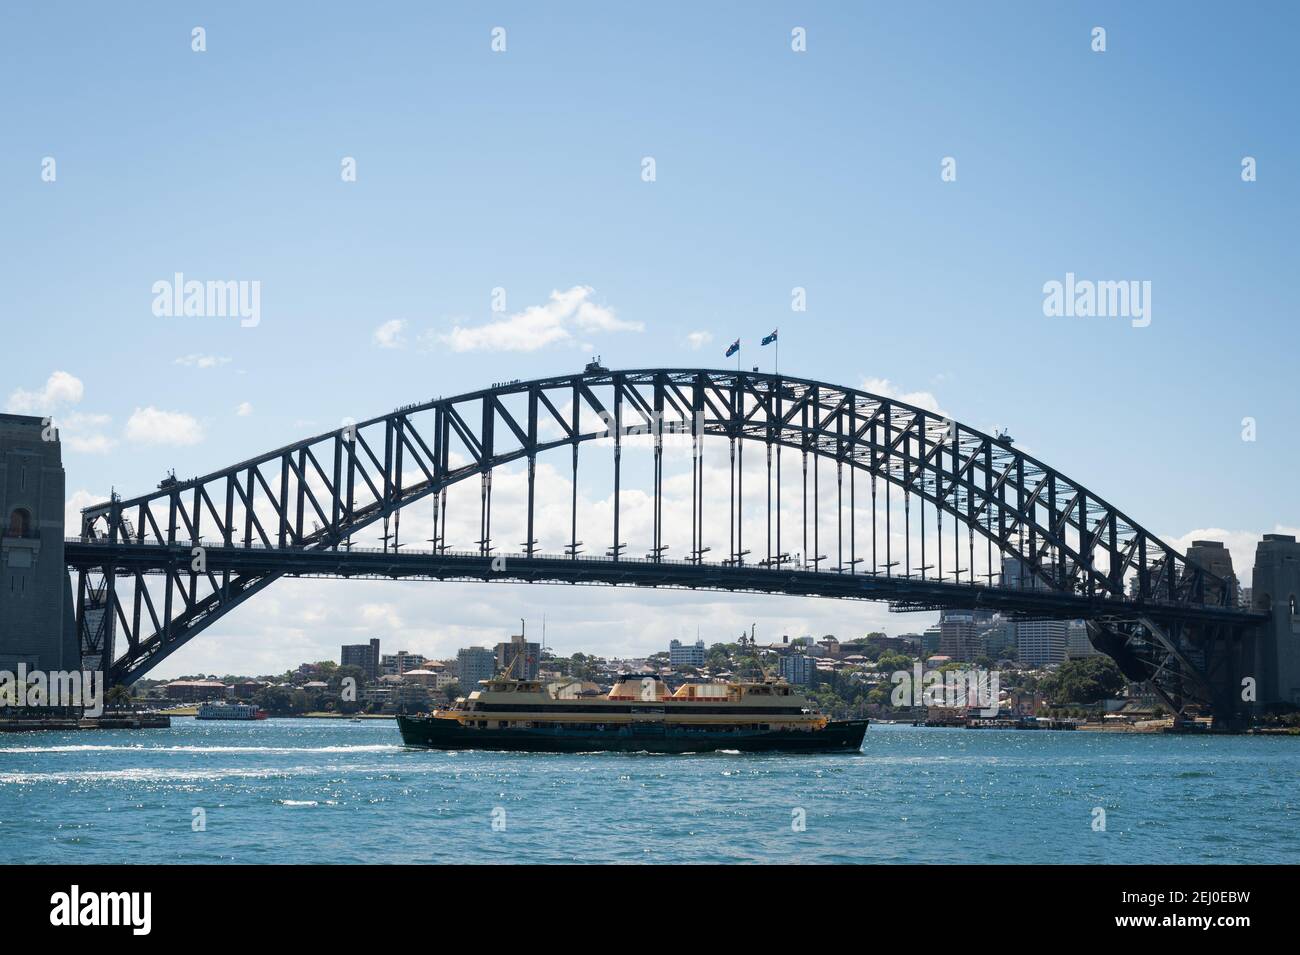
<point x="839" y="736"/>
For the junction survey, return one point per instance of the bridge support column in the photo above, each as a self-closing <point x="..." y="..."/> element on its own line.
<point x="1273" y="656"/>
<point x="36" y="622"/>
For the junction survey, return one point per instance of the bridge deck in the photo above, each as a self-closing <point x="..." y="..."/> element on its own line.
<point x="902" y="593"/>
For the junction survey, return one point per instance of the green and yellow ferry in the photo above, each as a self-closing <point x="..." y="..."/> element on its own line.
<point x="639" y="714"/>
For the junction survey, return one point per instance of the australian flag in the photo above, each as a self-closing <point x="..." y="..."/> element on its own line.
<point x="768" y="339"/>
<point x="733" y="348"/>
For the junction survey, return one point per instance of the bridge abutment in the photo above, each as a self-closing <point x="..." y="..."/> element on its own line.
<point x="36" y="619"/>
<point x="1273" y="649"/>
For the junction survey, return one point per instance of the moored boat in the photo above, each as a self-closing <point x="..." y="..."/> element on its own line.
<point x="638" y="714"/>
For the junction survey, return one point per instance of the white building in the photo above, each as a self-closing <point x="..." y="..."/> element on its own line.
<point x="1041" y="643"/>
<point x="686" y="655"/>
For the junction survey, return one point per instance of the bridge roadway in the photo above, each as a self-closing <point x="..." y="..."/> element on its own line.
<point x="902" y="593"/>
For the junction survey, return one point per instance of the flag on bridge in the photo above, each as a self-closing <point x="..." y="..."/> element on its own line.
<point x="768" y="339"/>
<point x="734" y="347"/>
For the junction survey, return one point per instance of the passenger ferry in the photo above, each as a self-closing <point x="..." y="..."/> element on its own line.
<point x="637" y="715"/>
<point x="229" y="711"/>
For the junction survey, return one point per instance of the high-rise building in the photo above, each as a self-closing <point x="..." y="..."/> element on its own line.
<point x="365" y="656"/>
<point x="931" y="639"/>
<point x="798" y="669"/>
<point x="519" y="659"/>
<point x="473" y="665"/>
<point x="1038" y="642"/>
<point x="1041" y="642"/>
<point x="685" y="654"/>
<point x="1016" y="575"/>
<point x="962" y="634"/>
<point x="999" y="635"/>
<point x="1077" y="644"/>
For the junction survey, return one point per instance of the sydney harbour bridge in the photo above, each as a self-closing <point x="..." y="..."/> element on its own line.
<point x="843" y="494"/>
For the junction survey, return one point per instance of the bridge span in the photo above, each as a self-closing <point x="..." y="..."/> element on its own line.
<point x="850" y="495"/>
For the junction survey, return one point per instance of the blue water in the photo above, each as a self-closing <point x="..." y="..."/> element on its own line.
<point x="325" y="791"/>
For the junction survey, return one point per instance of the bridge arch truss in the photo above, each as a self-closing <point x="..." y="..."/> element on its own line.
<point x="955" y="490"/>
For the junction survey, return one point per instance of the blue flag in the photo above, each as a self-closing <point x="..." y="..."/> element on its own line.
<point x="770" y="338"/>
<point x="735" y="347"/>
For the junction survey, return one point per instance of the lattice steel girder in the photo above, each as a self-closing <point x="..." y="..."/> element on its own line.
<point x="345" y="480"/>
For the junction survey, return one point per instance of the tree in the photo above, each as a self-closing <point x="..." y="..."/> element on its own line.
<point x="273" y="699"/>
<point x="118" y="696"/>
<point x="892" y="662"/>
<point x="1083" y="681"/>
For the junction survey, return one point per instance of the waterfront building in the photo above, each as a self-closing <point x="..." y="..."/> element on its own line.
<point x="246" y="689"/>
<point x="473" y="665"/>
<point x="686" y="655"/>
<point x="196" y="691"/>
<point x="364" y="656"/>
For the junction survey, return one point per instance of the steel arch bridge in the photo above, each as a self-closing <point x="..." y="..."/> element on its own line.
<point x="927" y="514"/>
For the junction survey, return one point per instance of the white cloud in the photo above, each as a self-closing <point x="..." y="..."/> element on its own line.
<point x="202" y="361"/>
<point x="383" y="616"/>
<point x="698" y="340"/>
<point x="389" y="334"/>
<point x="887" y="389"/>
<point x="72" y="509"/>
<point x="60" y="389"/>
<point x="79" y="431"/>
<point x="152" y="426"/>
<point x="541" y="325"/>
<point x="244" y="410"/>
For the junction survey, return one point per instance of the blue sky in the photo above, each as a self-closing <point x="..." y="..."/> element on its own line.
<point x="774" y="169"/>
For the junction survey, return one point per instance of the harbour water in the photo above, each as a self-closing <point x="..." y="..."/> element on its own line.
<point x="331" y="791"/>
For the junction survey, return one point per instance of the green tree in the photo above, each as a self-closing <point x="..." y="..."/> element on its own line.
<point x="118" y="696"/>
<point x="1083" y="681"/>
